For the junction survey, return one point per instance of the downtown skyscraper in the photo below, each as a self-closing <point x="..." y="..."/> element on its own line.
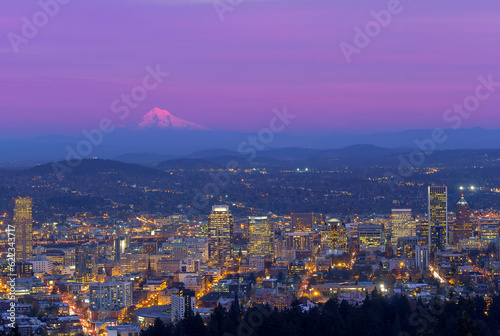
<point x="220" y="235"/>
<point x="401" y="225"/>
<point x="23" y="223"/>
<point x="463" y="224"/>
<point x="337" y="234"/>
<point x="261" y="237"/>
<point x="438" y="218"/>
<point x="86" y="262"/>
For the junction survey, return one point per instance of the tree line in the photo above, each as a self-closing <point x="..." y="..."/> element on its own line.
<point x="377" y="316"/>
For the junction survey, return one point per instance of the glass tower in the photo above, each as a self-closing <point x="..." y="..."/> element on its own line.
<point x="23" y="223"/>
<point x="261" y="237"/>
<point x="438" y="219"/>
<point x="220" y="232"/>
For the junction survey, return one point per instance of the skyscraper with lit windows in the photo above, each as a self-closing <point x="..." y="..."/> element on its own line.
<point x="220" y="231"/>
<point x="438" y="218"/>
<point x="302" y="222"/>
<point x="23" y="227"/>
<point x="463" y="224"/>
<point x="86" y="262"/>
<point x="401" y="225"/>
<point x="261" y="237"/>
<point x="337" y="234"/>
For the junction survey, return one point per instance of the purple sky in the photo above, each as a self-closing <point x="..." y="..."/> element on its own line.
<point x="230" y="74"/>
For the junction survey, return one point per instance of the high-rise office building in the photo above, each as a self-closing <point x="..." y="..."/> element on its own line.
<point x="463" y="224"/>
<point x="86" y="262"/>
<point x="302" y="222"/>
<point x="300" y="241"/>
<point x="338" y="235"/>
<point x="23" y="228"/>
<point x="438" y="218"/>
<point x="406" y="246"/>
<point x="421" y="257"/>
<point x="423" y="229"/>
<point x="220" y="243"/>
<point x="401" y="225"/>
<point x="369" y="235"/>
<point x="261" y="237"/>
<point x="24" y="269"/>
<point x="183" y="301"/>
<point x="488" y="232"/>
<point x="118" y="248"/>
<point x="203" y="231"/>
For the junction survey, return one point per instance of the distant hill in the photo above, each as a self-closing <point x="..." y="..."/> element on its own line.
<point x="97" y="166"/>
<point x="145" y="159"/>
<point x="188" y="164"/>
<point x="162" y="133"/>
<point x="289" y="153"/>
<point x="212" y="153"/>
<point x="361" y="156"/>
<point x="365" y="151"/>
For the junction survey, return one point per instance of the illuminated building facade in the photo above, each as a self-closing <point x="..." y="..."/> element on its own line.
<point x="406" y="246"/>
<point x="463" y="224"/>
<point x="423" y="229"/>
<point x="401" y="225"/>
<point x="338" y="235"/>
<point x="422" y="257"/>
<point x="150" y="248"/>
<point x="86" y="262"/>
<point x="110" y="295"/>
<point x="438" y="219"/>
<point x="220" y="230"/>
<point x="302" y="222"/>
<point x="261" y="237"/>
<point x="182" y="302"/>
<point x="300" y="241"/>
<point x="488" y="232"/>
<point x="23" y="228"/>
<point x="369" y="235"/>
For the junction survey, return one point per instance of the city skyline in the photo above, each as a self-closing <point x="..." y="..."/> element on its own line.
<point x="257" y="167"/>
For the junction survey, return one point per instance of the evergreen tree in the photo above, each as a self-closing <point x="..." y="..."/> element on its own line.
<point x="216" y="323"/>
<point x="157" y="329"/>
<point x="234" y="317"/>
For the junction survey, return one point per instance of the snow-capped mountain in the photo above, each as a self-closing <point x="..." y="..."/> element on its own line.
<point x="161" y="119"/>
